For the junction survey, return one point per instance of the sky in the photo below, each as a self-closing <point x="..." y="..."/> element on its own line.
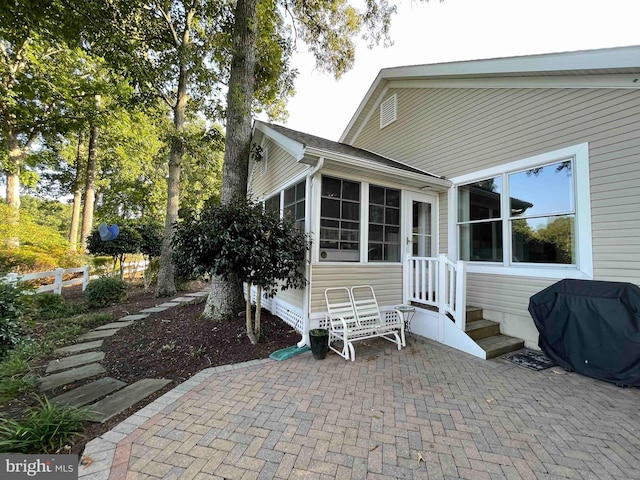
<point x="456" y="30"/>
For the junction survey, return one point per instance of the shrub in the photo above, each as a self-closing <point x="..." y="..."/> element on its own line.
<point x="45" y="428"/>
<point x="105" y="291"/>
<point x="126" y="243"/>
<point x="48" y="306"/>
<point x="13" y="304"/>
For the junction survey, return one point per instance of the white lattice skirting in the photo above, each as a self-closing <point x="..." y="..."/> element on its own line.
<point x="291" y="315"/>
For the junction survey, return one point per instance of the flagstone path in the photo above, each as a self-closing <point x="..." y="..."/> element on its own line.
<point x="106" y="397"/>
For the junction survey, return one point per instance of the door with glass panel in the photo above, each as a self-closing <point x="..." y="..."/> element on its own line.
<point x="420" y="225"/>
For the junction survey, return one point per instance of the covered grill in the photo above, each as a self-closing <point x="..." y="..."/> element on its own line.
<point x="591" y="327"/>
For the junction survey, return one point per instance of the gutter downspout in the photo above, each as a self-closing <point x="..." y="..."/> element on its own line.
<point x="306" y="302"/>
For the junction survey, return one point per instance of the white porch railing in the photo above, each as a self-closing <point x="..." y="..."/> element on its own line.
<point x="438" y="282"/>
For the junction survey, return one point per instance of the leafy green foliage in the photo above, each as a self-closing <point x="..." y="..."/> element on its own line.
<point x="48" y="306"/>
<point x="42" y="247"/>
<point x="105" y="291"/>
<point x="150" y="238"/>
<point x="126" y="243"/>
<point x="240" y="239"/>
<point x="14" y="303"/>
<point x="45" y="428"/>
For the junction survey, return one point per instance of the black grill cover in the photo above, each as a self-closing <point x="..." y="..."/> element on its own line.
<point x="591" y="327"/>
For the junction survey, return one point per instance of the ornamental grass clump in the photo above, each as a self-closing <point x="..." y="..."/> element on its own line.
<point x="45" y="428"/>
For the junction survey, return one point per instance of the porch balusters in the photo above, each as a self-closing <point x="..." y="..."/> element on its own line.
<point x="438" y="282"/>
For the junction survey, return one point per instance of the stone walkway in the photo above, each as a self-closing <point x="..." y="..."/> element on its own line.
<point x="426" y="412"/>
<point x="106" y="396"/>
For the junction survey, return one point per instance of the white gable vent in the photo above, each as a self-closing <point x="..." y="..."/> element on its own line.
<point x="388" y="111"/>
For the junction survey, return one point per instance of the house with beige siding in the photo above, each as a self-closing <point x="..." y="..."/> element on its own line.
<point x="464" y="188"/>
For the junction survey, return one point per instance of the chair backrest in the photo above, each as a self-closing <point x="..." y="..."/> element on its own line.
<point x="339" y="304"/>
<point x="365" y="306"/>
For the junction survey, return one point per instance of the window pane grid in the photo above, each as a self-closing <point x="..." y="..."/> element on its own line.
<point x="384" y="224"/>
<point x="339" y="219"/>
<point x="294" y="204"/>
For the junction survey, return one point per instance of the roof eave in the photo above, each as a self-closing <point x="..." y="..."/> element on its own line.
<point x="294" y="148"/>
<point x="441" y="184"/>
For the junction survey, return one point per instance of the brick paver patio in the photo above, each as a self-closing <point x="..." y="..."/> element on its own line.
<point x="374" y="418"/>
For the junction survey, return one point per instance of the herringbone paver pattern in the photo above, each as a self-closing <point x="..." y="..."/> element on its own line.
<point x="374" y="418"/>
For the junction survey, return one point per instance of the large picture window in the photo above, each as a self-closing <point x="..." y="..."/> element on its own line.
<point x="339" y="220"/>
<point x="535" y="204"/>
<point x="384" y="224"/>
<point x="532" y="213"/>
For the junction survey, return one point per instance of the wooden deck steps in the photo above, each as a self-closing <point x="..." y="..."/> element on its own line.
<point x="486" y="333"/>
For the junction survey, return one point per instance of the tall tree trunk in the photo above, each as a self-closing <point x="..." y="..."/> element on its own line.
<point x="77" y="194"/>
<point x="16" y="157"/>
<point x="228" y="297"/>
<point x="90" y="181"/>
<point x="166" y="281"/>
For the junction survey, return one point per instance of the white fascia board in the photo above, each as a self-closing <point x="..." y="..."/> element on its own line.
<point x="608" y="58"/>
<point x="569" y="81"/>
<point x="369" y="165"/>
<point x="364" y="102"/>
<point x="295" y="149"/>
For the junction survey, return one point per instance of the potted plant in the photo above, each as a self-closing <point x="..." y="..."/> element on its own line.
<point x="319" y="339"/>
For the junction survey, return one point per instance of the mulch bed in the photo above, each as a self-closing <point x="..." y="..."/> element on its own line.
<point x="175" y="344"/>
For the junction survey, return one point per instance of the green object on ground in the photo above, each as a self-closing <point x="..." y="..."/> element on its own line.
<point x="288" y="352"/>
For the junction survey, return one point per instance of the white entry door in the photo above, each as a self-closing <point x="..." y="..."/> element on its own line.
<point x="421" y="215"/>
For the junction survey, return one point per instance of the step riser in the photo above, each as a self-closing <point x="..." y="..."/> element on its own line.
<point x="485" y="332"/>
<point x="482" y="333"/>
<point x="474" y="314"/>
<point x="503" y="350"/>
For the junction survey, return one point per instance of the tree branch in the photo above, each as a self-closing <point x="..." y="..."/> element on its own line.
<point x="167" y="19"/>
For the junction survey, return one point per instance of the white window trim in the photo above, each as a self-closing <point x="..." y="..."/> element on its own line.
<point x="393" y="100"/>
<point x="364" y="217"/>
<point x="584" y="248"/>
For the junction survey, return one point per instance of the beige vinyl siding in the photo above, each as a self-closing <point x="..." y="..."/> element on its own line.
<point x="455" y="131"/>
<point x="386" y="281"/>
<point x="281" y="168"/>
<point x="452" y="132"/>
<point x="293" y="297"/>
<point x="505" y="299"/>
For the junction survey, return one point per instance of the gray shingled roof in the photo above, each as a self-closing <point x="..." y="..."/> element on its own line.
<point x="342" y="148"/>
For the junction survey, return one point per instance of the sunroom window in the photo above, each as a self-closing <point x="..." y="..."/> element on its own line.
<point x="294" y="204"/>
<point x="339" y="220"/>
<point x="272" y="204"/>
<point x="384" y="224"/>
<point x="528" y="214"/>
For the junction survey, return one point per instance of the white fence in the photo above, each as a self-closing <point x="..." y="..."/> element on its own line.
<point x="58" y="278"/>
<point x="131" y="269"/>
